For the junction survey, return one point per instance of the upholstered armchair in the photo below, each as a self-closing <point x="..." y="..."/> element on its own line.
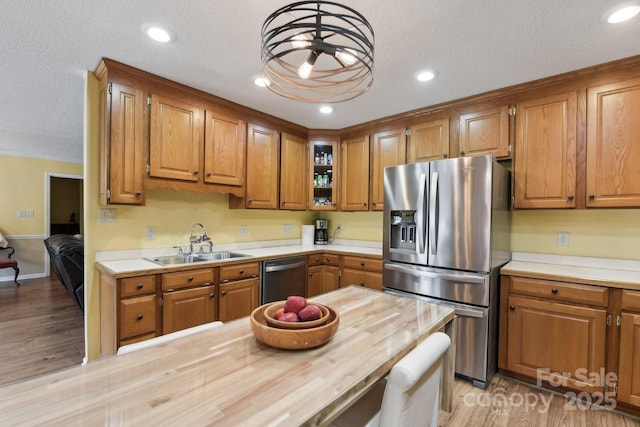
<point x="8" y="262"/>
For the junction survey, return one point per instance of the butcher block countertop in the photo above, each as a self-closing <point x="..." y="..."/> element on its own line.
<point x="612" y="273"/>
<point x="225" y="377"/>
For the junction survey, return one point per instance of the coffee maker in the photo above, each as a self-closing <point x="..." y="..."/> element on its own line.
<point x="321" y="234"/>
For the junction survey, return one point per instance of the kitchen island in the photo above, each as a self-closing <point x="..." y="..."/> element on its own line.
<point x="225" y="377"/>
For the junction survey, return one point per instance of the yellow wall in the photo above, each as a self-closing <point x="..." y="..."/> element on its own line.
<point x="365" y="226"/>
<point x="24" y="188"/>
<point x="602" y="233"/>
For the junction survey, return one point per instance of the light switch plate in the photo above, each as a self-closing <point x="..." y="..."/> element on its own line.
<point x="287" y="228"/>
<point x="150" y="232"/>
<point x="243" y="230"/>
<point x="107" y="216"/>
<point x="563" y="238"/>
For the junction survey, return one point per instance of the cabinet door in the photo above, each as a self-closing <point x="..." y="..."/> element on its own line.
<point x="323" y="176"/>
<point x="613" y="151"/>
<point x="122" y="145"/>
<point x="238" y="299"/>
<point x="189" y="307"/>
<point x="175" y="139"/>
<point x="137" y="316"/>
<point x="485" y="132"/>
<point x="314" y="281"/>
<point x="563" y="340"/>
<point x="293" y="173"/>
<point x="368" y="279"/>
<point x="263" y="163"/>
<point x="629" y="366"/>
<point x="545" y="159"/>
<point x="428" y="141"/>
<point x="224" y="146"/>
<point x="354" y="174"/>
<point x="387" y="149"/>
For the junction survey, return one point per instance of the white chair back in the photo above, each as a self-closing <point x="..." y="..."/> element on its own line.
<point x="167" y="337"/>
<point x="412" y="395"/>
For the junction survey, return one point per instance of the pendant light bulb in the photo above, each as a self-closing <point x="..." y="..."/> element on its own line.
<point x="305" y="69"/>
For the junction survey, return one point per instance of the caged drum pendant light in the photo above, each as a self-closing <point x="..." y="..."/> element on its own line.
<point x="317" y="51"/>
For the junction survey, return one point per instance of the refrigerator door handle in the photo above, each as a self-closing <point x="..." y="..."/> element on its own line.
<point x="454" y="277"/>
<point x="420" y="220"/>
<point x="433" y="214"/>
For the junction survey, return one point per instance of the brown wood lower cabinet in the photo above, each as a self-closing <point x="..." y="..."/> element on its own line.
<point x="629" y="362"/>
<point x="323" y="273"/>
<point x="361" y="271"/>
<point x="188" y="307"/>
<point x="239" y="290"/>
<point x="573" y="337"/>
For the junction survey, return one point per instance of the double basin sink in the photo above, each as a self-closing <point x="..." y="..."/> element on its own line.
<point x="195" y="258"/>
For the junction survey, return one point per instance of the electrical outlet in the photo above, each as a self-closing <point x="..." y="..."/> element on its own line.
<point x="25" y="214"/>
<point x="107" y="216"/>
<point x="563" y="238"/>
<point x="339" y="229"/>
<point x="243" y="230"/>
<point x="287" y="228"/>
<point x="150" y="231"/>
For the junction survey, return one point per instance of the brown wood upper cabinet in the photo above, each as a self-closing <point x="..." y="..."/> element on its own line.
<point x="388" y="149"/>
<point x="122" y="141"/>
<point x="323" y="175"/>
<point x="263" y="167"/>
<point x="545" y="158"/>
<point x="485" y="132"/>
<point x="293" y="172"/>
<point x="176" y="134"/>
<point x="428" y="141"/>
<point x="613" y="151"/>
<point x="354" y="174"/>
<point x="224" y="147"/>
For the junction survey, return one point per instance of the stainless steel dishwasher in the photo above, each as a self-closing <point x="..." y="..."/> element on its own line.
<point x="283" y="277"/>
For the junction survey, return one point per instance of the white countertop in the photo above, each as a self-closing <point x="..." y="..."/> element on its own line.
<point x="122" y="262"/>
<point x="592" y="271"/>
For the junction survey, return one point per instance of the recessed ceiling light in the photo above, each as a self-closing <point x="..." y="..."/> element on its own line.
<point x="261" y="81"/>
<point x="158" y="33"/>
<point x="425" y="76"/>
<point x="623" y="14"/>
<point x="326" y="109"/>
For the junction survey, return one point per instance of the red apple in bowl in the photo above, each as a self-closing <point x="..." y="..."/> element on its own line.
<point x="279" y="314"/>
<point x="289" y="317"/>
<point x="309" y="312"/>
<point x="294" y="304"/>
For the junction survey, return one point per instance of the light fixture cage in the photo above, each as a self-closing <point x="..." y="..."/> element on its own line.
<point x="339" y="39"/>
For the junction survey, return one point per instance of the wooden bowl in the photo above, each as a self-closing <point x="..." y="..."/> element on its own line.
<point x="271" y="309"/>
<point x="293" y="339"/>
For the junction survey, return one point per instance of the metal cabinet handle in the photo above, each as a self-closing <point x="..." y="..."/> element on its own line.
<point x="212" y="295"/>
<point x="190" y="279"/>
<point x="317" y="259"/>
<point x="138" y="193"/>
<point x="209" y="174"/>
<point x="250" y="201"/>
<point x="445" y="155"/>
<point x="195" y="172"/>
<point x="364" y="203"/>
<point x="362" y="263"/>
<point x="241" y="271"/>
<point x="139" y="317"/>
<point x="328" y="259"/>
<point x="361" y="283"/>
<point x="223" y="293"/>
<point x="310" y="274"/>
<point x="140" y="286"/>
<point x="512" y="308"/>
<point x="570" y="198"/>
<point x="554" y="291"/>
<point x="462" y="153"/>
<point x="592" y="196"/>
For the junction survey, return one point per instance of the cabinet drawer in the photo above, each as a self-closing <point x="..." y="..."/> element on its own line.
<point x="132" y="286"/>
<point x="137" y="316"/>
<point x="239" y="271"/>
<point x="630" y="300"/>
<point x="368" y="264"/>
<point x="561" y="291"/>
<point x="323" y="259"/>
<point x="185" y="279"/>
<point x="367" y="279"/>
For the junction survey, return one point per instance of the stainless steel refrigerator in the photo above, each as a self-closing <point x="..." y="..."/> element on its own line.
<point x="446" y="235"/>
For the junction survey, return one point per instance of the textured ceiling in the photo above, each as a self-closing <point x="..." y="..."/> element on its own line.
<point x="47" y="45"/>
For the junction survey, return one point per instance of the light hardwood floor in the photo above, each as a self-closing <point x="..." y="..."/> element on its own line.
<point x="41" y="329"/>
<point x="510" y="403"/>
